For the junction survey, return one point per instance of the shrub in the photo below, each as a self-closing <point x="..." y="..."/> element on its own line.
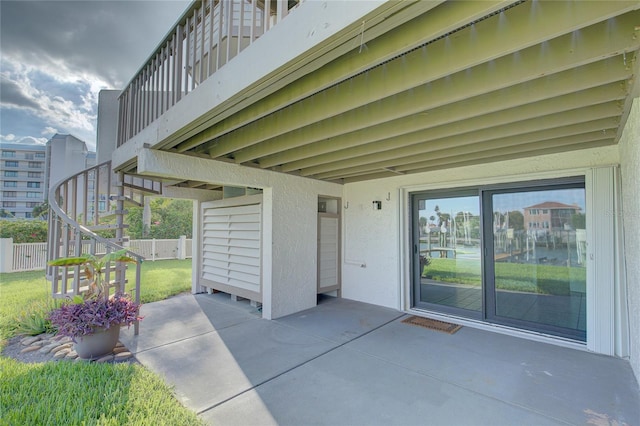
<point x="33" y="320"/>
<point x="24" y="231"/>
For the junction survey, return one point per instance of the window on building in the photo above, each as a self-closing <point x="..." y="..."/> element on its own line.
<point x="8" y="154"/>
<point x="8" y="204"/>
<point x="31" y="204"/>
<point x="11" y="164"/>
<point x="39" y="154"/>
<point x="35" y="175"/>
<point x="9" y="194"/>
<point x="28" y="215"/>
<point x="10" y="183"/>
<point x="29" y="156"/>
<point x="33" y="184"/>
<point x="35" y="165"/>
<point x="33" y="194"/>
<point x="10" y="173"/>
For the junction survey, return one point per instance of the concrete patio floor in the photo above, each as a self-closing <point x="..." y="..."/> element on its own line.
<point x="350" y="363"/>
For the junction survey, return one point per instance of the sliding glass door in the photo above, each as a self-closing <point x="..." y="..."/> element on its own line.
<point x="536" y="276"/>
<point x="447" y="246"/>
<point x="512" y="254"/>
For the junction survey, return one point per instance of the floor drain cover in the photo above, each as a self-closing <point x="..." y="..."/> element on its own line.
<point x="445" y="327"/>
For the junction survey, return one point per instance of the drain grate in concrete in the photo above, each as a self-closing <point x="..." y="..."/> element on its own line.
<point x="445" y="327"/>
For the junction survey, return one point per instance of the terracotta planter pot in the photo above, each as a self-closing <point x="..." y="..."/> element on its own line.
<point x="101" y="342"/>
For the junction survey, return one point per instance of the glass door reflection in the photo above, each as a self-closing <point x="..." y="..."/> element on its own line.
<point x="538" y="273"/>
<point x="448" y="256"/>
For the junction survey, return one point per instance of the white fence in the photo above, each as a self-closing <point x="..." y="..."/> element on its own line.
<point x="162" y="249"/>
<point x="33" y="256"/>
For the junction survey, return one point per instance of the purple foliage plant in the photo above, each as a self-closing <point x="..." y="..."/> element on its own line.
<point x="80" y="319"/>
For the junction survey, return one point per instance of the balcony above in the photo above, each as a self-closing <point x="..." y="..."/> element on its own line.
<point x="349" y="91"/>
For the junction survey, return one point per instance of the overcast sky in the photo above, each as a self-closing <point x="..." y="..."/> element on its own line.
<point x="55" y="56"/>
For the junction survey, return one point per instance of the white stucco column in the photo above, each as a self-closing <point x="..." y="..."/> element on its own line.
<point x="630" y="215"/>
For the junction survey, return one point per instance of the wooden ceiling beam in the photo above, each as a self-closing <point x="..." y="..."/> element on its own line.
<point x="488" y="42"/>
<point x="568" y="88"/>
<point x="440" y="123"/>
<point x="597" y="127"/>
<point x="492" y="157"/>
<point x="422" y="143"/>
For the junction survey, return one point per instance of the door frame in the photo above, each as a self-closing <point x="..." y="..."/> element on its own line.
<point x="487" y="314"/>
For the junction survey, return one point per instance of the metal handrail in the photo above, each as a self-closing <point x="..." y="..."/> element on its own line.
<point x="66" y="234"/>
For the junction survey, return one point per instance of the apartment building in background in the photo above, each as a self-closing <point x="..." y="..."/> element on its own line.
<point x="22" y="178"/>
<point x="28" y="171"/>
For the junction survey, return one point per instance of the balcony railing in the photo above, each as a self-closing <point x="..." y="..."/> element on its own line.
<point x="207" y="36"/>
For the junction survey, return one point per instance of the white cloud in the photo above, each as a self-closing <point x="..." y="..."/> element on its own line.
<point x="38" y="88"/>
<point x="58" y="55"/>
<point x="26" y="140"/>
<point x="50" y="131"/>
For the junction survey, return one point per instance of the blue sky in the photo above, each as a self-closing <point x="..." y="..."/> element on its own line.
<point x="505" y="202"/>
<point x="57" y="55"/>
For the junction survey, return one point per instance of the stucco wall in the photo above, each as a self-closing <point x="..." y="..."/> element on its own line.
<point x="290" y="206"/>
<point x="107" y="127"/>
<point x="373" y="237"/>
<point x="630" y="170"/>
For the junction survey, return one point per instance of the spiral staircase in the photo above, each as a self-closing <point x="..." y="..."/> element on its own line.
<point x="82" y="207"/>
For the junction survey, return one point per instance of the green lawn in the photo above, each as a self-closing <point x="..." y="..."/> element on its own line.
<point x="23" y="291"/>
<point x="162" y="279"/>
<point x="85" y="393"/>
<point x="68" y="393"/>
<point x="541" y="279"/>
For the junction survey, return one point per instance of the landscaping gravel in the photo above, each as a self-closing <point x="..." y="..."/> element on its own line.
<point x="47" y="347"/>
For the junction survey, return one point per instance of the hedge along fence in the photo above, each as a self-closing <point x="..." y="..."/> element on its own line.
<point x="33" y="256"/>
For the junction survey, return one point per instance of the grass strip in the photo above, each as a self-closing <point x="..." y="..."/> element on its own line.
<point x="74" y="393"/>
<point x="531" y="278"/>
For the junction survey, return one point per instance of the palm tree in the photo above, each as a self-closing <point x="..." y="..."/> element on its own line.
<point x="41" y="210"/>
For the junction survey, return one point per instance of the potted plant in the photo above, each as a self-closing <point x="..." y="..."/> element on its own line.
<point x="93" y="319"/>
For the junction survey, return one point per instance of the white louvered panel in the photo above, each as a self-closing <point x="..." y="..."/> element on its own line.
<point x="244" y="252"/>
<point x="223" y="257"/>
<point x="243" y="260"/>
<point x="250" y="244"/>
<point x="245" y="235"/>
<point x="246" y="218"/>
<point x="244" y="226"/>
<point x="215" y="264"/>
<point x="247" y="279"/>
<point x="233" y="210"/>
<point x="245" y="269"/>
<point x="216" y="249"/>
<point x="208" y="273"/>
<point x="215" y="240"/>
<point x="328" y="252"/>
<point x="231" y="246"/>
